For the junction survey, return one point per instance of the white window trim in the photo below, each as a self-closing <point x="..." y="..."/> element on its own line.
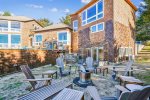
<point x="9" y="29"/>
<point x="97" y="27"/>
<point x="37" y="43"/>
<point x="74" y="26"/>
<point x="68" y="37"/>
<point x="9" y="41"/>
<point x="93" y="16"/>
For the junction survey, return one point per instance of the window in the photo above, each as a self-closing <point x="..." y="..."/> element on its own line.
<point x="10" y="41"/>
<point x="93" y="28"/>
<point x="4" y="38"/>
<point x="15" y="39"/>
<point x="97" y="27"/>
<point x="75" y="25"/>
<point x="62" y="36"/>
<point x="3" y="25"/>
<point x="38" y="38"/>
<point x="100" y="27"/>
<point x="93" y="13"/>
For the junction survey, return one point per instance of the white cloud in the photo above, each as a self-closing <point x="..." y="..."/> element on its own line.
<point x="34" y="6"/>
<point x="85" y="1"/>
<point x="142" y="3"/>
<point x="66" y="11"/>
<point x="54" y="10"/>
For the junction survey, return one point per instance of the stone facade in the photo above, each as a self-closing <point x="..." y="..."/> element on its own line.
<point x="51" y="35"/>
<point x="119" y="24"/>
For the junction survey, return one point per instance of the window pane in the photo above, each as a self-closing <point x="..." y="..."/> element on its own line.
<point x="4" y="24"/>
<point x="93" y="28"/>
<point x="62" y="36"/>
<point x="3" y="38"/>
<point x="84" y="22"/>
<point x="100" y="15"/>
<point x="100" y="6"/>
<point x="15" y="39"/>
<point x="75" y="24"/>
<point x="91" y="12"/>
<point x="38" y="38"/>
<point x="84" y="15"/>
<point x="91" y="19"/>
<point x="15" y="24"/>
<point x="100" y="27"/>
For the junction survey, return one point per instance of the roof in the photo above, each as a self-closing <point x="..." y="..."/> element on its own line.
<point x="94" y="1"/>
<point x="16" y="18"/>
<point x="55" y="26"/>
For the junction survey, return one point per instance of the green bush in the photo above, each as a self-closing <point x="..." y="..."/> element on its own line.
<point x="142" y="37"/>
<point x="147" y="43"/>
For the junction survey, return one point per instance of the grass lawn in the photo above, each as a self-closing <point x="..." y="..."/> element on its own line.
<point x="144" y="76"/>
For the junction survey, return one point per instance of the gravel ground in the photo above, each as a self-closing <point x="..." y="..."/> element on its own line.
<point x="12" y="86"/>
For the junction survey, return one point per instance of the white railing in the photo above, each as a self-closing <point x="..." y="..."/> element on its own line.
<point x="12" y="46"/>
<point x="37" y="43"/>
<point x="15" y="30"/>
<point x="15" y="46"/>
<point x="3" y="29"/>
<point x="3" y="45"/>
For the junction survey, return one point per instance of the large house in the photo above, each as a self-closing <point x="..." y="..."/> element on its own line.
<point x="15" y="31"/>
<point x="104" y="28"/>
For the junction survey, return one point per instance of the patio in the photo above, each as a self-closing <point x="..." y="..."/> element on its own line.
<point x="12" y="86"/>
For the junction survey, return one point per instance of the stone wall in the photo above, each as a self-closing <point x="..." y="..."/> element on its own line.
<point x="10" y="60"/>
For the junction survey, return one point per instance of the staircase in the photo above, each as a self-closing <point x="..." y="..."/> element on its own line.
<point x="144" y="55"/>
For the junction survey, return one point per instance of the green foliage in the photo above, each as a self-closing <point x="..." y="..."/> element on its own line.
<point x="66" y="20"/>
<point x="6" y="13"/>
<point x="143" y="22"/>
<point x="145" y="76"/>
<point x="142" y="37"/>
<point x="44" y="22"/>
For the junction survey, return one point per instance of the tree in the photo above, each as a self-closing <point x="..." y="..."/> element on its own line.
<point x="6" y="13"/>
<point x="66" y="20"/>
<point x="44" y="22"/>
<point x="143" y="21"/>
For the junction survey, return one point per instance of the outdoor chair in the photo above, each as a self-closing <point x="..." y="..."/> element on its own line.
<point x="140" y="94"/>
<point x="89" y="63"/>
<point x="124" y="70"/>
<point x="35" y="83"/>
<point x="102" y="67"/>
<point x="62" y="70"/>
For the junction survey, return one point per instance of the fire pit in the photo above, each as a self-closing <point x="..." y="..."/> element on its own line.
<point x="84" y="79"/>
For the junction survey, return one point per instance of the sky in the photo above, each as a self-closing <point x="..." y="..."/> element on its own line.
<point x="51" y="9"/>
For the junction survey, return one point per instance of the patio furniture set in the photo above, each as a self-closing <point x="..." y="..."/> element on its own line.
<point x="130" y="87"/>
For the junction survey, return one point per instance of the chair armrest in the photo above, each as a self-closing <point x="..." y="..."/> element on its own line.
<point x="42" y="79"/>
<point x="121" y="88"/>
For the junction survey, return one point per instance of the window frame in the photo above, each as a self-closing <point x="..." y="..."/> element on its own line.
<point x="35" y="42"/>
<point x="97" y="27"/>
<point x="97" y="14"/>
<point x="10" y="44"/>
<point x="74" y="25"/>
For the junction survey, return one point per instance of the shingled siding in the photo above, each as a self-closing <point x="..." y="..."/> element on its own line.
<point x="34" y="58"/>
<point x="124" y="24"/>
